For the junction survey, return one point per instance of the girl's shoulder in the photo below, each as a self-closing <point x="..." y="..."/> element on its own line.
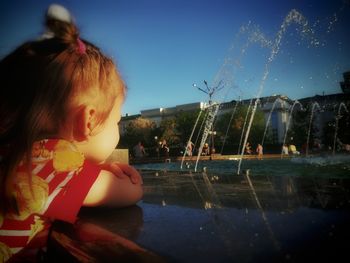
<point x="63" y="154"/>
<point x="60" y="175"/>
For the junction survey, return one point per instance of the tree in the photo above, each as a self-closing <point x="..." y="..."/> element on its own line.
<point x="328" y="134"/>
<point x="239" y="122"/>
<point x="168" y="131"/>
<point x="185" y="122"/>
<point x="299" y="131"/>
<point x="140" y="129"/>
<point x="344" y="128"/>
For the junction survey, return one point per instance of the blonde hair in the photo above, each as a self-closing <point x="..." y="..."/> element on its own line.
<point x="41" y="83"/>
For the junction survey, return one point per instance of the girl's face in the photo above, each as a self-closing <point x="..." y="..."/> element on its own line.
<point x="100" y="145"/>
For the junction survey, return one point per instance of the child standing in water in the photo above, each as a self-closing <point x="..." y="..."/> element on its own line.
<point x="60" y="104"/>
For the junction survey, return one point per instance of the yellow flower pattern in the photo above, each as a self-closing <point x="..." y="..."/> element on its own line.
<point x="66" y="157"/>
<point x="31" y="195"/>
<point x="31" y="192"/>
<point x="36" y="227"/>
<point x="5" y="252"/>
<point x="39" y="152"/>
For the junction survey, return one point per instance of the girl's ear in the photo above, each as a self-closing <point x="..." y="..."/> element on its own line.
<point x="85" y="122"/>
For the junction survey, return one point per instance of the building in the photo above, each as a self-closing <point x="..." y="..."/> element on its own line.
<point x="158" y="114"/>
<point x="275" y="108"/>
<point x="276" y="111"/>
<point x="326" y="108"/>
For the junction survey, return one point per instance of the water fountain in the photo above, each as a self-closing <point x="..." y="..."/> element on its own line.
<point x="212" y="109"/>
<point x="268" y="121"/>
<point x="228" y="126"/>
<point x="225" y="74"/>
<point x="289" y="121"/>
<point x="190" y="139"/>
<point x="310" y="126"/>
<point x="242" y="217"/>
<point x="293" y="17"/>
<point x="337" y="117"/>
<point x="244" y="125"/>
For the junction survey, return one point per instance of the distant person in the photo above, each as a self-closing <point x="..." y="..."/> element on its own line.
<point x="248" y="148"/>
<point x="342" y="147"/>
<point x="159" y="148"/>
<point x="259" y="151"/>
<point x="205" y="149"/>
<point x="164" y="149"/>
<point x="293" y="149"/>
<point x="347" y="148"/>
<point x="139" y="150"/>
<point x="285" y="149"/>
<point x="212" y="150"/>
<point x="316" y="146"/>
<point x="189" y="148"/>
<point x="60" y="103"/>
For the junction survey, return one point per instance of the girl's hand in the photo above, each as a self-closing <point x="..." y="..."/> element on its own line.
<point x="122" y="170"/>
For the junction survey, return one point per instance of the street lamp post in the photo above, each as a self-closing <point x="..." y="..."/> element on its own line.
<point x="210" y="92"/>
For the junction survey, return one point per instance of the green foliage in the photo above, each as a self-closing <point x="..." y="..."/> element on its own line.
<point x="328" y="134"/>
<point x="176" y="131"/>
<point x="237" y="125"/>
<point x="168" y="131"/>
<point x="343" y="129"/>
<point x="140" y="129"/>
<point x="185" y="122"/>
<point x="298" y="131"/>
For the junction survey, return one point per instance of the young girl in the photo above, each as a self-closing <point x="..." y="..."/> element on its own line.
<point x="60" y="104"/>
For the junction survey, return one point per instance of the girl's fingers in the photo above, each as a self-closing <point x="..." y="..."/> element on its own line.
<point x="124" y="170"/>
<point x="115" y="169"/>
<point x="134" y="175"/>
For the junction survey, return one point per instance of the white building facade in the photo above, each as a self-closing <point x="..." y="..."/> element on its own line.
<point x="278" y="106"/>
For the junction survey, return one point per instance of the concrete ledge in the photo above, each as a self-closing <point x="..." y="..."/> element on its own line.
<point x="120" y="156"/>
<point x="208" y="157"/>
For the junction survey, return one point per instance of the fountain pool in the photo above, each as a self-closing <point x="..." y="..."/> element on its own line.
<point x="318" y="166"/>
<point x="284" y="210"/>
<point x="288" y="210"/>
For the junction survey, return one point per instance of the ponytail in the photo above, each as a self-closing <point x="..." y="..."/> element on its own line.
<point x="66" y="32"/>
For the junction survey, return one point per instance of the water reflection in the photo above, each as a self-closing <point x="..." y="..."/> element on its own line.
<point x="224" y="218"/>
<point x="100" y="235"/>
<point x="281" y="193"/>
<point x="264" y="215"/>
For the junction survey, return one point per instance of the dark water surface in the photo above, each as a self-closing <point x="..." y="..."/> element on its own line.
<point x="281" y="211"/>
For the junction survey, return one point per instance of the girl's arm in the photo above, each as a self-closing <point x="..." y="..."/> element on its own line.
<point x="112" y="190"/>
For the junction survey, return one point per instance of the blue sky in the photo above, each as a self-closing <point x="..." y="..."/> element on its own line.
<point x="162" y="47"/>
